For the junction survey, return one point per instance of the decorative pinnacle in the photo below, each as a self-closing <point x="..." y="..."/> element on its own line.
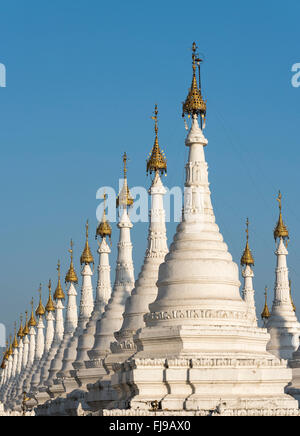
<point x="124" y="198"/>
<point x="15" y="342"/>
<point x="26" y="329"/>
<point x="194" y="103"/>
<point x="32" y="321"/>
<point x="247" y="258"/>
<point x="21" y="330"/>
<point x="104" y="228"/>
<point x="124" y="162"/>
<point x="71" y="276"/>
<point x="59" y="293"/>
<point x="157" y="161"/>
<point x="265" y="313"/>
<point x="280" y="230"/>
<point x="86" y="256"/>
<point x="50" y="306"/>
<point x="40" y="311"/>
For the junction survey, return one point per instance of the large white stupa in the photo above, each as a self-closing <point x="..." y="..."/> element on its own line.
<point x="200" y="349"/>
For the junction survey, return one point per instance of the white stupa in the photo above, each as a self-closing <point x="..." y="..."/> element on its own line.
<point x="15" y="357"/>
<point x="200" y="350"/>
<point x="85" y="310"/>
<point x="39" y="345"/>
<point x="13" y="387"/>
<point x="55" y="386"/>
<point x="103" y="292"/>
<point x="59" y="297"/>
<point x="145" y="290"/>
<point x="111" y="320"/>
<point x="30" y="358"/>
<point x="247" y="262"/>
<point x="49" y="309"/>
<point x="282" y="324"/>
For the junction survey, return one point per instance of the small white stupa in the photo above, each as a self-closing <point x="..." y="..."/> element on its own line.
<point x="39" y="346"/>
<point x="85" y="311"/>
<point x="59" y="297"/>
<point x="111" y="320"/>
<point x="247" y="262"/>
<point x="145" y="290"/>
<point x="55" y="386"/>
<point x="49" y="309"/>
<point x="30" y="359"/>
<point x="103" y="293"/>
<point x="282" y="324"/>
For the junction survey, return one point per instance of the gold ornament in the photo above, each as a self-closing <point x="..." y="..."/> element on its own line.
<point x="280" y="230"/>
<point x="86" y="256"/>
<point x="59" y="293"/>
<point x="157" y="161"/>
<point x="247" y="258"/>
<point x="71" y="276"/>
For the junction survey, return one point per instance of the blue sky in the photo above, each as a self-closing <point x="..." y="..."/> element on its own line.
<point x="82" y="81"/>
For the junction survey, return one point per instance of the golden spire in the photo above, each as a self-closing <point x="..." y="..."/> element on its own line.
<point x="247" y="258"/>
<point x="124" y="198"/>
<point x="50" y="306"/>
<point x="10" y="349"/>
<point x="15" y="342"/>
<point x="280" y="230"/>
<point x="265" y="313"/>
<point x="40" y="311"/>
<point x="104" y="228"/>
<point x="86" y="256"/>
<point x="20" y="332"/>
<point x="71" y="276"/>
<point x="194" y="103"/>
<point x="26" y="327"/>
<point x="59" y="293"/>
<point x="157" y="161"/>
<point x="5" y="356"/>
<point x="293" y="305"/>
<point x="32" y="321"/>
<point x="3" y="360"/>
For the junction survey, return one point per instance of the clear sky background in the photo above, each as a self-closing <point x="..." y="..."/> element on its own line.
<point x="82" y="81"/>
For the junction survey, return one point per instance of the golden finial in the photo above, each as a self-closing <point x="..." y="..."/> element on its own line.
<point x="104" y="228"/>
<point x="59" y="293"/>
<point x="10" y="349"/>
<point x="15" y="342"/>
<point x="5" y="356"/>
<point x="20" y="332"/>
<point x="71" y="276"/>
<point x="247" y="258"/>
<point x="26" y="327"/>
<point x="265" y="313"/>
<point x="86" y="256"/>
<point x="40" y="311"/>
<point x="3" y="360"/>
<point x="194" y="103"/>
<point x="157" y="161"/>
<point x="280" y="230"/>
<point x="32" y="321"/>
<point x="292" y="302"/>
<point x="124" y="198"/>
<point x="50" y="306"/>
